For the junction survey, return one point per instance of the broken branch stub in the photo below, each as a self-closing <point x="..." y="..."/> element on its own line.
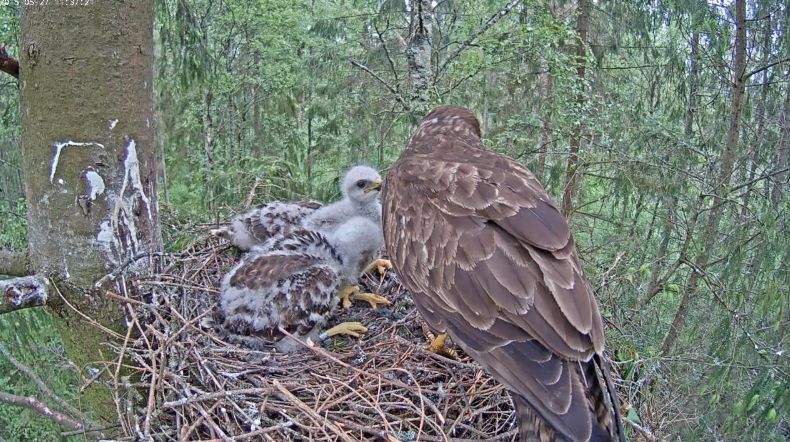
<point x="25" y="292"/>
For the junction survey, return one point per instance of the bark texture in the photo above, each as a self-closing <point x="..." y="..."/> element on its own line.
<point x="419" y="54"/>
<point x="783" y="156"/>
<point x="86" y="84"/>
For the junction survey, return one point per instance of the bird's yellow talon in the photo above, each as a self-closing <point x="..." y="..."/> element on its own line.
<point x="354" y="329"/>
<point x="381" y="265"/>
<point x="373" y="299"/>
<point x="345" y="294"/>
<point x="437" y="345"/>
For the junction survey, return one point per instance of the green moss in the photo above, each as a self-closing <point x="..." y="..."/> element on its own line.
<point x="86" y="346"/>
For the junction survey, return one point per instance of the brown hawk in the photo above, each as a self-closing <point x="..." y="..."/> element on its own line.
<point x="491" y="261"/>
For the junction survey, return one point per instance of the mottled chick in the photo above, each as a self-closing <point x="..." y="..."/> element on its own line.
<point x="291" y="283"/>
<point x="270" y="220"/>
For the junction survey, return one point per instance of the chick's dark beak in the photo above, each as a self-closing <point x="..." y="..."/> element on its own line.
<point x="375" y="185"/>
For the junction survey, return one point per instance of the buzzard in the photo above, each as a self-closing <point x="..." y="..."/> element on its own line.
<point x="491" y="261"/>
<point x="291" y="282"/>
<point x="360" y="188"/>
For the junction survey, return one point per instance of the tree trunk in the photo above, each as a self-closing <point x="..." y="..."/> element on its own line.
<point x="640" y="202"/>
<point x="486" y="115"/>
<point x="163" y="170"/>
<point x="208" y="146"/>
<point x="257" y="125"/>
<point x="419" y="53"/>
<point x="688" y="130"/>
<point x="691" y="107"/>
<point x="309" y="156"/>
<point x="661" y="255"/>
<point x="757" y="143"/>
<point x="572" y="179"/>
<point x="86" y="85"/>
<point x="547" y="80"/>
<point x="710" y="233"/>
<point x="5" y="191"/>
<point x="780" y="180"/>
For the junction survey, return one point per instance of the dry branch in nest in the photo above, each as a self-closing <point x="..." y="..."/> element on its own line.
<point x="187" y="383"/>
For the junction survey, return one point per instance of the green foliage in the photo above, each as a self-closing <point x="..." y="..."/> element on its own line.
<point x="14" y="233"/>
<point x="32" y="340"/>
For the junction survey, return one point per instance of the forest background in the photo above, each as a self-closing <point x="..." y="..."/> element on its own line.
<point x="662" y="130"/>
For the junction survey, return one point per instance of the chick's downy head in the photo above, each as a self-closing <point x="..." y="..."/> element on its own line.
<point x="361" y="184"/>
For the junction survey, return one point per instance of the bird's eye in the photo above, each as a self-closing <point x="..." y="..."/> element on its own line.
<point x="361" y="183"/>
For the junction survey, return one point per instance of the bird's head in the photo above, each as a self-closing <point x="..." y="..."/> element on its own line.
<point x="448" y="120"/>
<point x="362" y="184"/>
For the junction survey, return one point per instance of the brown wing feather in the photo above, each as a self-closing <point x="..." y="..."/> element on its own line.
<point x="491" y="260"/>
<point x="479" y="254"/>
<point x="269" y="291"/>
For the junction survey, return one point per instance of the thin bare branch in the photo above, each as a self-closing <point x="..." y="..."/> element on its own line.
<point x="42" y="386"/>
<point x="766" y="66"/>
<point x="119" y="270"/>
<point x="386" y="51"/>
<point x="641" y="430"/>
<point x="394" y="91"/>
<point x="759" y="178"/>
<point x="477" y="33"/>
<point x="41" y="408"/>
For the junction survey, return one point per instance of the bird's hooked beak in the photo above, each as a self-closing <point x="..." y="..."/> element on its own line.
<point x="375" y="185"/>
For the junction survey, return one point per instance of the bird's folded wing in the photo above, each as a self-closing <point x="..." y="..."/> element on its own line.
<point x="505" y="253"/>
<point x="488" y="253"/>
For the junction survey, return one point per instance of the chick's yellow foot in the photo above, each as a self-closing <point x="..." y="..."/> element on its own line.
<point x="354" y="329"/>
<point x="345" y="293"/>
<point x="437" y="345"/>
<point x="373" y="299"/>
<point x="380" y="264"/>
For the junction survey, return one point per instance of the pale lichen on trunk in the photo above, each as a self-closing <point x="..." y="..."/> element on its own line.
<point x="118" y="235"/>
<point x="59" y="148"/>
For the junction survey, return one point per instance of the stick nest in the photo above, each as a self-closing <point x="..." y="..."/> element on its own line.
<point x="176" y="379"/>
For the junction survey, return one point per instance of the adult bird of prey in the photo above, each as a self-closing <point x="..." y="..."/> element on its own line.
<point x="491" y="261"/>
<point x="360" y="188"/>
<point x="291" y="282"/>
